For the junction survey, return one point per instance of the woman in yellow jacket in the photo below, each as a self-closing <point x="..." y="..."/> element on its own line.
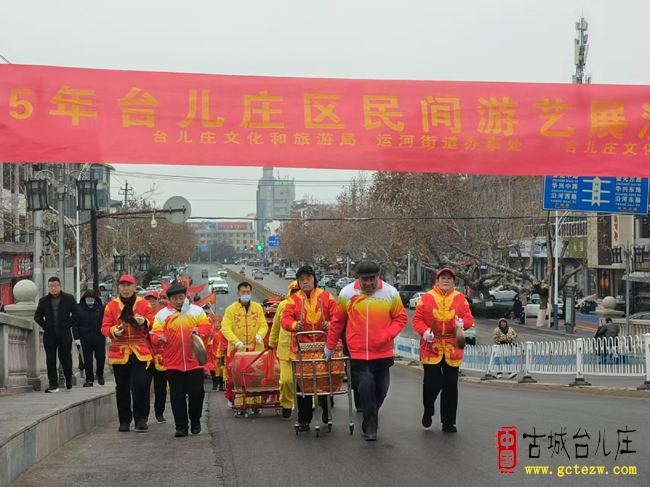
<point x="244" y="326"/>
<point x="280" y="341"/>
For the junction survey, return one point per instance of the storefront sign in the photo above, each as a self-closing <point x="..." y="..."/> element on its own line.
<point x="22" y="265"/>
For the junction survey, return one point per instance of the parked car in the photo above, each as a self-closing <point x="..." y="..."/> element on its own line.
<point x="500" y="293"/>
<point x="533" y="304"/>
<point x="258" y="275"/>
<point x="155" y="283"/>
<point x="290" y="275"/>
<point x="219" y="285"/>
<point x="413" y="302"/>
<point x="407" y="291"/>
<point x="139" y="290"/>
<point x="344" y="281"/>
<point x="326" y="279"/>
<point x="107" y="285"/>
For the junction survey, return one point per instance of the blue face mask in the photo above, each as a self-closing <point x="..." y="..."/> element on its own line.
<point x="245" y="298"/>
<point x="90" y="303"/>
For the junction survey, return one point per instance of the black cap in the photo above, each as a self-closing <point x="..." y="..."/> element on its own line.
<point x="367" y="268"/>
<point x="306" y="269"/>
<point x="176" y="289"/>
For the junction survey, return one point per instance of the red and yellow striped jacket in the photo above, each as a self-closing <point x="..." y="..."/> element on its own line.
<point x="133" y="340"/>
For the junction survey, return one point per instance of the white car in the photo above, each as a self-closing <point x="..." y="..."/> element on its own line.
<point x="533" y="303"/>
<point x="500" y="293"/>
<point x="219" y="286"/>
<point x="290" y="275"/>
<point x="413" y="302"/>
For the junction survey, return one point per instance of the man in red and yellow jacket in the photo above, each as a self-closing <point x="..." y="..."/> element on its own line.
<point x="127" y="321"/>
<point x="174" y="328"/>
<point x="437" y="314"/>
<point x="371" y="315"/>
<point x="310" y="309"/>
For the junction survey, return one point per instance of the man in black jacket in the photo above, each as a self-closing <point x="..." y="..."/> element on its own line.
<point x="57" y="314"/>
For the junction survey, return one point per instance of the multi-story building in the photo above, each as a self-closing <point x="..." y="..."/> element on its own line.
<point x="275" y="198"/>
<point x="238" y="234"/>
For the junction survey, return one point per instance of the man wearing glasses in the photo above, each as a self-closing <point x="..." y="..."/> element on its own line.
<point x="57" y="315"/>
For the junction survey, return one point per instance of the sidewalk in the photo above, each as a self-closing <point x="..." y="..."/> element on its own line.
<point x="34" y="424"/>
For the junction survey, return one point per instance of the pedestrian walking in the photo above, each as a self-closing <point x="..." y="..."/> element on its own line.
<point x="158" y="373"/>
<point x="518" y="310"/>
<point x="127" y="322"/>
<point x="440" y="316"/>
<point x="280" y="342"/>
<point x="89" y="331"/>
<point x="173" y="329"/>
<point x="504" y="335"/>
<point x="372" y="314"/>
<point x="310" y="309"/>
<point x="57" y="314"/>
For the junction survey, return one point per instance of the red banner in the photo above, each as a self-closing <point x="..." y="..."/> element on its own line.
<point x="197" y="289"/>
<point x="52" y="114"/>
<point x="22" y="265"/>
<point x="210" y="300"/>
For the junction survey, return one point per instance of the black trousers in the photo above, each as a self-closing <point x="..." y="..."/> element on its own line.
<point x="305" y="413"/>
<point x="96" y="347"/>
<point x="159" y="390"/>
<point x="186" y="389"/>
<point x="355" y="393"/>
<point x="441" y="377"/>
<point x="132" y="380"/>
<point x="371" y="379"/>
<point x="64" y="350"/>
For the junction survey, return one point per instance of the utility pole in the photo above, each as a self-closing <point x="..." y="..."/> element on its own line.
<point x="580" y="52"/>
<point x="127" y="191"/>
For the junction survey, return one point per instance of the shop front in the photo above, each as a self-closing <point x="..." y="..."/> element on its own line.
<point x="13" y="268"/>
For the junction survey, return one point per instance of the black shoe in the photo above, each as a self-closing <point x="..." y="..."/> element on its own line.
<point x="449" y="428"/>
<point x="124" y="427"/>
<point x="286" y="413"/>
<point x="369" y="437"/>
<point x="303" y="427"/>
<point x="181" y="433"/>
<point x="160" y="419"/>
<point x="101" y="381"/>
<point x="427" y="420"/>
<point x="196" y="428"/>
<point x="52" y="390"/>
<point x="68" y="384"/>
<point x="141" y="426"/>
<point x="88" y="384"/>
<point x="359" y="409"/>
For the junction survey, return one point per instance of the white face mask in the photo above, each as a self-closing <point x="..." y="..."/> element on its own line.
<point x="245" y="298"/>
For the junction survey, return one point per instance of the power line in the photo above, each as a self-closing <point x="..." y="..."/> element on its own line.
<point x="5" y="59"/>
<point x="371" y="218"/>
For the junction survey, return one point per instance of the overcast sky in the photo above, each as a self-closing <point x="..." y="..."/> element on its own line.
<point x="479" y="40"/>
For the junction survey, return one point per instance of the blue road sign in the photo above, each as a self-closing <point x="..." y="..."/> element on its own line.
<point x="274" y="241"/>
<point x="204" y="248"/>
<point x="596" y="194"/>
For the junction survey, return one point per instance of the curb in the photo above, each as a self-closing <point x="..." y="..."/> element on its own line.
<point x="36" y="441"/>
<point x="541" y="386"/>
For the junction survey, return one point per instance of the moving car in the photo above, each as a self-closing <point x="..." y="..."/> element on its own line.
<point x="219" y="285"/>
<point x="344" y="281"/>
<point x="257" y="275"/>
<point x="407" y="291"/>
<point x="204" y="273"/>
<point x="290" y="275"/>
<point x="266" y="271"/>
<point x="413" y="302"/>
<point x="223" y="274"/>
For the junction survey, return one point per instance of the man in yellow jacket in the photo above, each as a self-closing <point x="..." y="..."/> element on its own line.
<point x="244" y="326"/>
<point x="280" y="341"/>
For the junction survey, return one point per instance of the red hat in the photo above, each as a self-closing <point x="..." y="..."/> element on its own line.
<point x="126" y="278"/>
<point x="152" y="294"/>
<point x="445" y="270"/>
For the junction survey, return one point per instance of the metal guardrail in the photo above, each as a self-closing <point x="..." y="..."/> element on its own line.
<point x="623" y="356"/>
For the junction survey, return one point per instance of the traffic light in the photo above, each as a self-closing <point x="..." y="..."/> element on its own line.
<point x="260" y="247"/>
<point x="245" y="248"/>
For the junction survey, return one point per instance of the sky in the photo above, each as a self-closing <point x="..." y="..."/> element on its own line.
<point x="464" y="40"/>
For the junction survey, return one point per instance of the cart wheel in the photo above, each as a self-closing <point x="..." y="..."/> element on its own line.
<point x="351" y="428"/>
<point x="277" y="412"/>
<point x="297" y="429"/>
<point x="246" y="414"/>
<point x="329" y="427"/>
<point x="317" y="431"/>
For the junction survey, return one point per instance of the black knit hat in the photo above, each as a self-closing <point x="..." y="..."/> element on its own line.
<point x="176" y="289"/>
<point x="306" y="269"/>
<point x="367" y="268"/>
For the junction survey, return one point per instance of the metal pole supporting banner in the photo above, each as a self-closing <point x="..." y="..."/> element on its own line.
<point x="628" y="267"/>
<point x="408" y="278"/>
<point x="62" y="241"/>
<point x="78" y="260"/>
<point x="93" y="244"/>
<point x="38" y="252"/>
<point x="556" y="274"/>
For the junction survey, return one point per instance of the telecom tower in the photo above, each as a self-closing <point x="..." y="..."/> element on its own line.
<point x="581" y="50"/>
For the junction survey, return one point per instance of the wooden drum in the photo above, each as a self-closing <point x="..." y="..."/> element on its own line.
<point x="314" y="351"/>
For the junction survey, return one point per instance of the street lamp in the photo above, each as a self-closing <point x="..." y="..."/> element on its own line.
<point x="37" y="195"/>
<point x="118" y="263"/>
<point x="87" y="195"/>
<point x="145" y="262"/>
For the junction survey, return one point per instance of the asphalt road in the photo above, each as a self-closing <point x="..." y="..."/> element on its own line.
<point x="265" y="451"/>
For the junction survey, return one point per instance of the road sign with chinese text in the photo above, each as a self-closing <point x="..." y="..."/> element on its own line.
<point x="596" y="194"/>
<point x="274" y="241"/>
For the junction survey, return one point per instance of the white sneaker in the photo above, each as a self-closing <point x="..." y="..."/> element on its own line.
<point x="229" y="404"/>
<point x="51" y="390"/>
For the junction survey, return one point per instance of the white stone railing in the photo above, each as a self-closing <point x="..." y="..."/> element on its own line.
<point x="22" y="357"/>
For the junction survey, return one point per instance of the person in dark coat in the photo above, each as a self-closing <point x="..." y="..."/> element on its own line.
<point x="518" y="309"/>
<point x="89" y="333"/>
<point x="57" y="314"/>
